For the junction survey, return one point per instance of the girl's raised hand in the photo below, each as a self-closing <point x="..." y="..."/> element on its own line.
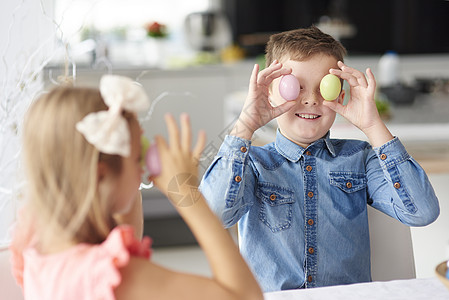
<point x="257" y="110"/>
<point x="179" y="175"/>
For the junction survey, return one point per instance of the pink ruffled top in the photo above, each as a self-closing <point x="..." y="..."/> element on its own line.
<point x="83" y="272"/>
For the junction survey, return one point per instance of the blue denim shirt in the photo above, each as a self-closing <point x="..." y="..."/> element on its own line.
<point x="303" y="212"/>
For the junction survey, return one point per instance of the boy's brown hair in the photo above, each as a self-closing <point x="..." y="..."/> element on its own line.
<point x="301" y="44"/>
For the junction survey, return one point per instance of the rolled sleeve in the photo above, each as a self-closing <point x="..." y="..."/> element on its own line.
<point x="234" y="148"/>
<point x="413" y="200"/>
<point x="391" y="153"/>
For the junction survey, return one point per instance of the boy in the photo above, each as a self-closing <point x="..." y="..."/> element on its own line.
<point x="301" y="201"/>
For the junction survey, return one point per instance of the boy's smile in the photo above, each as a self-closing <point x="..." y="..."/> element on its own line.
<point x="309" y="120"/>
<point x="307" y="116"/>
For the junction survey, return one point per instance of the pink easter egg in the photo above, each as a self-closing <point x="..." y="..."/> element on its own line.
<point x="152" y="160"/>
<point x="289" y="87"/>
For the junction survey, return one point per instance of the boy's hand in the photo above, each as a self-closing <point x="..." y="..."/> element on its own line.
<point x="361" y="108"/>
<point x="257" y="110"/>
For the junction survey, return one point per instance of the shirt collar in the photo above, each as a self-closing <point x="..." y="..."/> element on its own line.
<point x="294" y="152"/>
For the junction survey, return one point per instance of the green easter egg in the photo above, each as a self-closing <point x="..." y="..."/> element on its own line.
<point x="330" y="87"/>
<point x="145" y="145"/>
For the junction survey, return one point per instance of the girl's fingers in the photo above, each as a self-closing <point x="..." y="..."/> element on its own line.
<point x="173" y="131"/>
<point x="200" y="144"/>
<point x="185" y="136"/>
<point x="186" y="133"/>
<point x="161" y="144"/>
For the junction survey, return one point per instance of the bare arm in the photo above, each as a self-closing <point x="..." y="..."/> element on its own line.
<point x="232" y="279"/>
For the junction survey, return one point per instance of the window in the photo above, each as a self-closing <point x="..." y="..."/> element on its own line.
<point x="74" y="16"/>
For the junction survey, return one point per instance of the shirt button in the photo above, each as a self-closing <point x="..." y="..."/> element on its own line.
<point x="310" y="194"/>
<point x="309" y="278"/>
<point x="311" y="250"/>
<point x="238" y="178"/>
<point x="309" y="168"/>
<point x="348" y="185"/>
<point x="397" y="185"/>
<point x="308" y="153"/>
<point x="310" y="222"/>
<point x="272" y="197"/>
<point x="243" y="149"/>
<point x="383" y="156"/>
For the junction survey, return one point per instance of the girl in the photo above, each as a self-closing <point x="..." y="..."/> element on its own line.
<point x="82" y="150"/>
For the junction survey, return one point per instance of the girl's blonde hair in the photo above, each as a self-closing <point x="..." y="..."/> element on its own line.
<point x="62" y="167"/>
<point x="301" y="44"/>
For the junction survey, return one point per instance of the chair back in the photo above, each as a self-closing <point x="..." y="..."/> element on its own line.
<point x="391" y="248"/>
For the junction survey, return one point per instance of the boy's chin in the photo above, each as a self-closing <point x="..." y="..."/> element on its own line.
<point x="297" y="140"/>
<point x="302" y="140"/>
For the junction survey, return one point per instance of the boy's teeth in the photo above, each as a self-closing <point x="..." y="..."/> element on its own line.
<point x="307" y="116"/>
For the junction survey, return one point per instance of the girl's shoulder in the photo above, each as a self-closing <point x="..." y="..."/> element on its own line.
<point x="83" y="270"/>
<point x="113" y="254"/>
<point x="122" y="243"/>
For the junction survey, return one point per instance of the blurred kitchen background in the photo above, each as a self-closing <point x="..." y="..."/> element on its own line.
<point x="196" y="56"/>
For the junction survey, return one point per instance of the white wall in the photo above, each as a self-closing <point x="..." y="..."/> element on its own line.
<point x="27" y="42"/>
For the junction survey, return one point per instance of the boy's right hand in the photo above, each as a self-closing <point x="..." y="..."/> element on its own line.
<point x="257" y="110"/>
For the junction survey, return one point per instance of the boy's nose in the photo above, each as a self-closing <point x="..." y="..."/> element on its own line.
<point x="311" y="99"/>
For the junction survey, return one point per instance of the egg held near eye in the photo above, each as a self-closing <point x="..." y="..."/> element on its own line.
<point x="289" y="87"/>
<point x="330" y="87"/>
<point x="150" y="157"/>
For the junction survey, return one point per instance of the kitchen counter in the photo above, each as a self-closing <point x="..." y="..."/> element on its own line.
<point x="428" y="143"/>
<point x="422" y="126"/>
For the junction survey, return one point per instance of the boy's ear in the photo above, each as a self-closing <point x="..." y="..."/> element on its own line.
<point x="341" y="97"/>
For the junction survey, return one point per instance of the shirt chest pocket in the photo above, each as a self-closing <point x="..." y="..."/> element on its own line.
<point x="275" y="206"/>
<point x="348" y="192"/>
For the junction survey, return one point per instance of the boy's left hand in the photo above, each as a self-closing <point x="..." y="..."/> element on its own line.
<point x="361" y="108"/>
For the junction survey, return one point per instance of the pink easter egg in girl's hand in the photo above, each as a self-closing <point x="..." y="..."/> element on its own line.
<point x="152" y="160"/>
<point x="289" y="87"/>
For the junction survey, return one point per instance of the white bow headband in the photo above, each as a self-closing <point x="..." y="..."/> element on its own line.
<point x="108" y="130"/>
